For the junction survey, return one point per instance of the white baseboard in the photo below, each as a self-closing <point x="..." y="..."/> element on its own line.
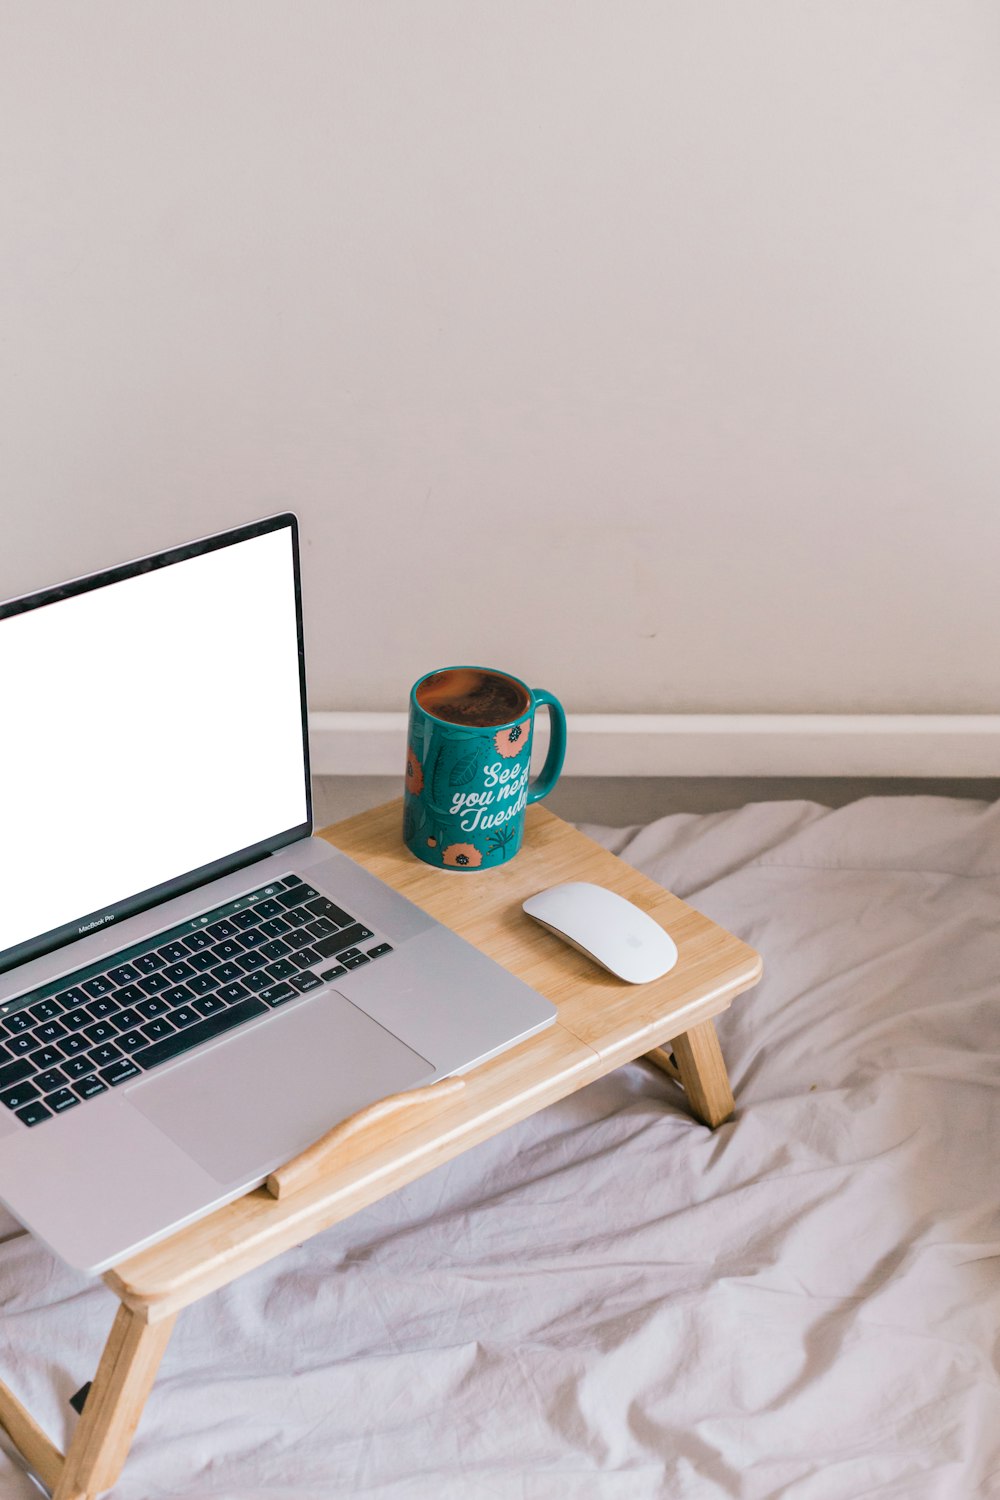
<point x="374" y="744"/>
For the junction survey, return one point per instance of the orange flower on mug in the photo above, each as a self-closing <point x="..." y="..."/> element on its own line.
<point x="414" y="773"/>
<point x="463" y="855"/>
<point x="509" y="741"/>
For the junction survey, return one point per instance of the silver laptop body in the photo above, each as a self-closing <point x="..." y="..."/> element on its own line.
<point x="192" y="988"/>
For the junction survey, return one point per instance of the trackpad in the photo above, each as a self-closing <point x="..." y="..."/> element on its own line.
<point x="261" y="1096"/>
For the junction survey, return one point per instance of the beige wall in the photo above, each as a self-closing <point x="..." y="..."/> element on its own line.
<point x="649" y="349"/>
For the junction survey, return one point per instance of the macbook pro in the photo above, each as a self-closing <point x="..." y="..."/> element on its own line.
<point x="192" y="987"/>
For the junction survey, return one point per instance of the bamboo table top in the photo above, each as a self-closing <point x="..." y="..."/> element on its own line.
<point x="602" y="1023"/>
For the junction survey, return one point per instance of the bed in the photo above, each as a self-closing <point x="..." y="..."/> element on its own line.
<point x="611" y="1301"/>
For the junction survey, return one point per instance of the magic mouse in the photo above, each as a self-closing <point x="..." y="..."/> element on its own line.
<point x="609" y="929"/>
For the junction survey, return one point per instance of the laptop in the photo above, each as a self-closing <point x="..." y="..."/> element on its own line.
<point x="192" y="987"/>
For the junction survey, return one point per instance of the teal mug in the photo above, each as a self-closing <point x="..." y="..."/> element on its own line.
<point x="467" y="764"/>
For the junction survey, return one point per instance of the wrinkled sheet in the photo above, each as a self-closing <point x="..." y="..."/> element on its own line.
<point x="610" y="1300"/>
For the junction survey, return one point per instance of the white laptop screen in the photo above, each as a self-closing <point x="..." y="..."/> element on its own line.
<point x="153" y="733"/>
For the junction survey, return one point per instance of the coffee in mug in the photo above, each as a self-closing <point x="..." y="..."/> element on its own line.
<point x="472" y="695"/>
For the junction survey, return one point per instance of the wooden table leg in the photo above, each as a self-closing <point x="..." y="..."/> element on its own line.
<point x="698" y="1064"/>
<point x="35" y="1446"/>
<point x="114" y="1405"/>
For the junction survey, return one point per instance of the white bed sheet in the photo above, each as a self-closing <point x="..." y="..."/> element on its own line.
<point x="611" y="1301"/>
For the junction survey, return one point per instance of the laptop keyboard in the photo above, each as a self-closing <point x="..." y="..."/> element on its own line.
<point x="81" y="1035"/>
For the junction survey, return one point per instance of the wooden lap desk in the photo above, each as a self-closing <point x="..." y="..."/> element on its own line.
<point x="602" y="1023"/>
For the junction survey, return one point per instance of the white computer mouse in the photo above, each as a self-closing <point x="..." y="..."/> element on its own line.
<point x="609" y="929"/>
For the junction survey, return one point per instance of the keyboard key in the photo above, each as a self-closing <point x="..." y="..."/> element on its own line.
<point x="246" y="919"/>
<point x="228" y="949"/>
<point x="185" y="1016"/>
<point x="251" y="961"/>
<point x="73" y="996"/>
<point x="300" y="939"/>
<point x="176" y="973"/>
<point x="378" y="951"/>
<point x="101" y="1031"/>
<point x="50" y="1032"/>
<point x="269" y="910"/>
<point x="274" y="949"/>
<point x="203" y="960"/>
<point x="281" y="970"/>
<point x="19" y="1021"/>
<point x="72" y="1044"/>
<point x="348" y="953"/>
<point x="154" y="983"/>
<point x="208" y="1005"/>
<point x="125" y="1020"/>
<point x="124" y="974"/>
<point x="220" y="930"/>
<point x="61" y="1100"/>
<point x="20" y="1095"/>
<point x="34" y="1113"/>
<point x="152" y="1008"/>
<point x="156" y="1030"/>
<point x="128" y="994"/>
<point x="298" y="917"/>
<point x="148" y="963"/>
<point x="179" y="995"/>
<point x="324" y="908"/>
<point x="46" y="1010"/>
<point x="277" y="994"/>
<point x="195" y="941"/>
<point x="131" y="1041"/>
<point x="321" y="927"/>
<point x="173" y="953"/>
<point x="101" y="1008"/>
<point x="51" y="1079"/>
<point x="120" y="1071"/>
<point x="45" y="1057"/>
<point x="276" y="927"/>
<point x="295" y="897"/>
<point x="193" y="1036"/>
<point x="253" y="939"/>
<point x="305" y="959"/>
<point x="96" y="987"/>
<point x="290" y="880"/>
<point x="200" y="984"/>
<point x="355" y="963"/>
<point x="26" y="1042"/>
<point x="107" y="1054"/>
<point x="332" y="973"/>
<point x="233" y="992"/>
<point x="348" y="938"/>
<point x="77" y="1019"/>
<point x="227" y="973"/>
<point x="257" y="981"/>
<point x="89" y="1087"/>
<point x="78" y="1067"/>
<point x="306" y="981"/>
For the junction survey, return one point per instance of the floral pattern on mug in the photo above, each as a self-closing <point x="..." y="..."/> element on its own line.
<point x="414" y="773"/>
<point x="509" y="742"/>
<point x="463" y="855"/>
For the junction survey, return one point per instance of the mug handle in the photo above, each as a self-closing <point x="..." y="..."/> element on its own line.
<point x="549" y="774"/>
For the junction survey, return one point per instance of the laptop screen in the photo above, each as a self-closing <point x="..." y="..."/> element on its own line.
<point x="154" y="733"/>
